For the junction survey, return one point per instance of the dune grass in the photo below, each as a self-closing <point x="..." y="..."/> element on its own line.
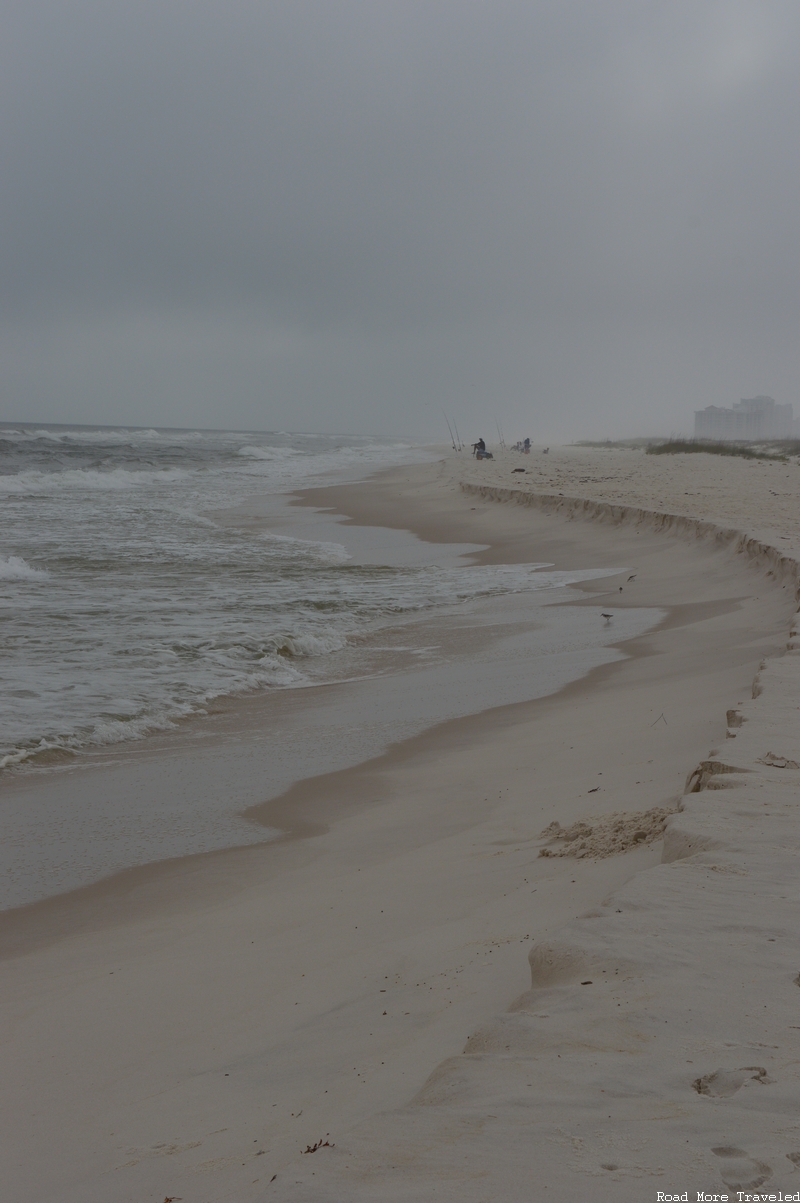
<point x="681" y="446"/>
<point x="627" y="444"/>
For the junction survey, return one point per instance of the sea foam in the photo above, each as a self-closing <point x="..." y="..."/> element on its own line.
<point x="14" y="568"/>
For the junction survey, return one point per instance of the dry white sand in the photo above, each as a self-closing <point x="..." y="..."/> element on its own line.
<point x="189" y="1031"/>
<point x="761" y="497"/>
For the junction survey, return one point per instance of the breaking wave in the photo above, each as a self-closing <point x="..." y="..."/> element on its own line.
<point x="37" y="481"/>
<point x="14" y="568"/>
<point x="152" y="606"/>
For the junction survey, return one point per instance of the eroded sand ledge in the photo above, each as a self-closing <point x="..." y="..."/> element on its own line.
<point x="765" y="556"/>
<point x="659" y="1044"/>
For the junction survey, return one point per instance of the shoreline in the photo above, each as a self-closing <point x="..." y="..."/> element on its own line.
<point x="307" y="809"/>
<point x="428" y="819"/>
<point x="202" y="759"/>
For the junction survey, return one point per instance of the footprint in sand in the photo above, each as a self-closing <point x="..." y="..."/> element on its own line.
<point x="722" y="1083"/>
<point x="740" y="1171"/>
<point x="795" y="1159"/>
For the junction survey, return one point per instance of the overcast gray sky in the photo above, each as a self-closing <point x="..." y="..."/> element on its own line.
<point x="579" y="217"/>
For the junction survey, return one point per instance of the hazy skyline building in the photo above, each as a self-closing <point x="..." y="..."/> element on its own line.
<point x="749" y="420"/>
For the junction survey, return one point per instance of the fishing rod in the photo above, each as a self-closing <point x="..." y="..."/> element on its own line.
<point x="499" y="434"/>
<point x="458" y="437"/>
<point x="452" y="439"/>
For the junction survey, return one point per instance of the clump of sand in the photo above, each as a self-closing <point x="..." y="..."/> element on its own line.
<point x="607" y="835"/>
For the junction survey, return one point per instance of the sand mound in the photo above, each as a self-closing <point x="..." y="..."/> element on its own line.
<point x="607" y="835"/>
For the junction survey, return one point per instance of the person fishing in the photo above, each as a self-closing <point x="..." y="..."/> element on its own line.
<point x="479" y="448"/>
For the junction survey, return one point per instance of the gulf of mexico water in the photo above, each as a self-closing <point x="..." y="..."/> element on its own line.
<point x="138" y="613"/>
<point x="126" y="607"/>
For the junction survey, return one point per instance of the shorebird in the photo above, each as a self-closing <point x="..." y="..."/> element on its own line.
<point x="607" y="617"/>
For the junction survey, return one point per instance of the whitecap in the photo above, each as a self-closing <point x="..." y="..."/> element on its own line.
<point x="268" y="453"/>
<point x="36" y="482"/>
<point x="308" y="644"/>
<point x="14" y="568"/>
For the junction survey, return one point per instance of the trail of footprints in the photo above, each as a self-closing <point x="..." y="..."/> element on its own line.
<point x="739" y="1170"/>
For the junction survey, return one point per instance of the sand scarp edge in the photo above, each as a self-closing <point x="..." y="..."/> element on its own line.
<point x="763" y="555"/>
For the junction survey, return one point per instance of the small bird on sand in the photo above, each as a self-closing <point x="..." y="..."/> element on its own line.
<point x="607" y="617"/>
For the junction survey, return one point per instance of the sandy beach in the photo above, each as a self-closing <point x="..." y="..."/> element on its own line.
<point x="424" y="989"/>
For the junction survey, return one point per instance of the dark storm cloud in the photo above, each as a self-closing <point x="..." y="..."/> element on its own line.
<point x="581" y="216"/>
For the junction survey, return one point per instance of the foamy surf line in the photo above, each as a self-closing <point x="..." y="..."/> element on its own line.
<point x="127" y="609"/>
<point x="62" y="832"/>
<point x="328" y="637"/>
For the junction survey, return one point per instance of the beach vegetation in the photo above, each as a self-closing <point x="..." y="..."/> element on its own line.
<point x="681" y="446"/>
<point x="625" y="444"/>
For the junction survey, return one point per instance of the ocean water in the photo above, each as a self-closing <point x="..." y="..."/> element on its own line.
<point x="128" y="605"/>
<point x="125" y="606"/>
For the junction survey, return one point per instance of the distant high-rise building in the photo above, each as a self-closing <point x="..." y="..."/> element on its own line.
<point x="749" y="420"/>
